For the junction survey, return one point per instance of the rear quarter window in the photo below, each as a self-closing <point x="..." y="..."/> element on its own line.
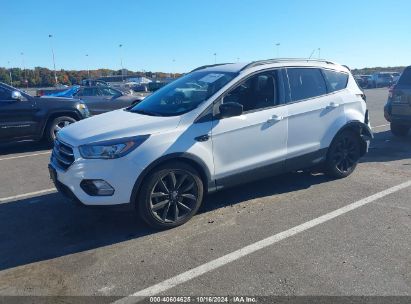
<point x="405" y="78"/>
<point x="336" y="80"/>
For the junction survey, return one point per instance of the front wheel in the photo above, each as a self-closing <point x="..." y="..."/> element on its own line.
<point x="55" y="126"/>
<point x="170" y="195"/>
<point x="399" y="130"/>
<point x="343" y="155"/>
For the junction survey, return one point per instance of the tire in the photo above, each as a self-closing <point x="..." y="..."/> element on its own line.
<point x="399" y="130"/>
<point x="343" y="155"/>
<point x="56" y="125"/>
<point x="165" y="201"/>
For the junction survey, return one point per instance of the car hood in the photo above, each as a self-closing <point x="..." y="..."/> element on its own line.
<point x="114" y="125"/>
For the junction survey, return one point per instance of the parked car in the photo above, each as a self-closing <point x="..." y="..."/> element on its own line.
<point x="24" y="117"/>
<point x="94" y="82"/>
<point x="66" y="93"/>
<point x="361" y="81"/>
<point x="395" y="76"/>
<point x="101" y="99"/>
<point x="213" y="128"/>
<point x="398" y="108"/>
<point x="382" y="79"/>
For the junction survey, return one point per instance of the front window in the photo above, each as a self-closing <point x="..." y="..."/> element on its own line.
<point x="184" y="94"/>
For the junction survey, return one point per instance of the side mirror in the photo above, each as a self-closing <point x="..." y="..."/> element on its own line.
<point x="16" y="95"/>
<point x="230" y="109"/>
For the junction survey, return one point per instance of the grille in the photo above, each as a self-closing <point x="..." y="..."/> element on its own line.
<point x="62" y="155"/>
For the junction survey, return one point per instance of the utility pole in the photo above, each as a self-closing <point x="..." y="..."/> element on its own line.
<point x="24" y="70"/>
<point x="278" y="49"/>
<point x="88" y="67"/>
<point x="215" y="58"/>
<point x="11" y="79"/>
<point x="121" y="62"/>
<point x="173" y="71"/>
<point x="54" y="62"/>
<point x="319" y="53"/>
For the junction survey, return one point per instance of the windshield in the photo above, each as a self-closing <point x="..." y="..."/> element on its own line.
<point x="183" y="94"/>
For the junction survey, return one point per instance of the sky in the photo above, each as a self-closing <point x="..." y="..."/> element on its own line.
<point x="179" y="35"/>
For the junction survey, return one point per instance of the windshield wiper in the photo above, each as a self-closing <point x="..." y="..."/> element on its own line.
<point x="145" y="112"/>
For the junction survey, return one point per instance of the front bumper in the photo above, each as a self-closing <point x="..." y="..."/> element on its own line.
<point x="119" y="173"/>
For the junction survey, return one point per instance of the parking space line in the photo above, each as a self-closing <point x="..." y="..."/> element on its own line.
<point x="26" y="155"/>
<point x="233" y="256"/>
<point x="380" y="126"/>
<point x="10" y="198"/>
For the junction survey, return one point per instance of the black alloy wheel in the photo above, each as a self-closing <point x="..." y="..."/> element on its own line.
<point x="343" y="155"/>
<point x="170" y="196"/>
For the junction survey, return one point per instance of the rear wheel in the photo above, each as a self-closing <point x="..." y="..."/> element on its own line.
<point x="343" y="155"/>
<point x="399" y="130"/>
<point x="170" y="195"/>
<point x="55" y="126"/>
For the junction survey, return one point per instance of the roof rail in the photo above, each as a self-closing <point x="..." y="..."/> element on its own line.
<point x="278" y="60"/>
<point x="209" y="66"/>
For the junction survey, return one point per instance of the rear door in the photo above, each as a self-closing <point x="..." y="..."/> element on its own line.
<point x="17" y="117"/>
<point x="313" y="112"/>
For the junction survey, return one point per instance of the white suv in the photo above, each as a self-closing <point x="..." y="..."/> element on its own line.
<point x="215" y="127"/>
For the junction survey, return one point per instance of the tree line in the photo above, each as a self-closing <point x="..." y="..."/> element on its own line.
<point x="43" y="77"/>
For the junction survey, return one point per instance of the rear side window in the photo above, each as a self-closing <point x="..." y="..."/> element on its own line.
<point x="306" y="83"/>
<point x="336" y="80"/>
<point x="405" y="78"/>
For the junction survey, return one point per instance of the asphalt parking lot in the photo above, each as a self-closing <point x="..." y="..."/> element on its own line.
<point x="50" y="247"/>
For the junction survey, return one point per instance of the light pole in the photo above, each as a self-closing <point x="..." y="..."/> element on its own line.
<point x="173" y="71"/>
<point x="215" y="58"/>
<point x="319" y="53"/>
<point x="54" y="62"/>
<point x="24" y="70"/>
<point x="278" y="49"/>
<point x="11" y="79"/>
<point x="238" y="59"/>
<point x="88" y="67"/>
<point x="121" y="62"/>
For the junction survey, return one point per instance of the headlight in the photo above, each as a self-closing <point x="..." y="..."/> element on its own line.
<point x="112" y="149"/>
<point x="82" y="107"/>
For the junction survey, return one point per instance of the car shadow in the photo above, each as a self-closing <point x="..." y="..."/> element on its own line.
<point x="385" y="147"/>
<point x="49" y="226"/>
<point x="23" y="147"/>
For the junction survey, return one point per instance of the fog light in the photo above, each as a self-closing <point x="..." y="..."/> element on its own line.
<point x="96" y="187"/>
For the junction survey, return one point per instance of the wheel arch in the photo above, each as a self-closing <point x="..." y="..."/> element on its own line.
<point x="361" y="129"/>
<point x="54" y="115"/>
<point x="187" y="158"/>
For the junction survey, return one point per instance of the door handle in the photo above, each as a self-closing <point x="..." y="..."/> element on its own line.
<point x="275" y="118"/>
<point x="332" y="105"/>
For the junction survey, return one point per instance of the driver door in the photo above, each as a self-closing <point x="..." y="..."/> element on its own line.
<point x="17" y="117"/>
<point x="254" y="144"/>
